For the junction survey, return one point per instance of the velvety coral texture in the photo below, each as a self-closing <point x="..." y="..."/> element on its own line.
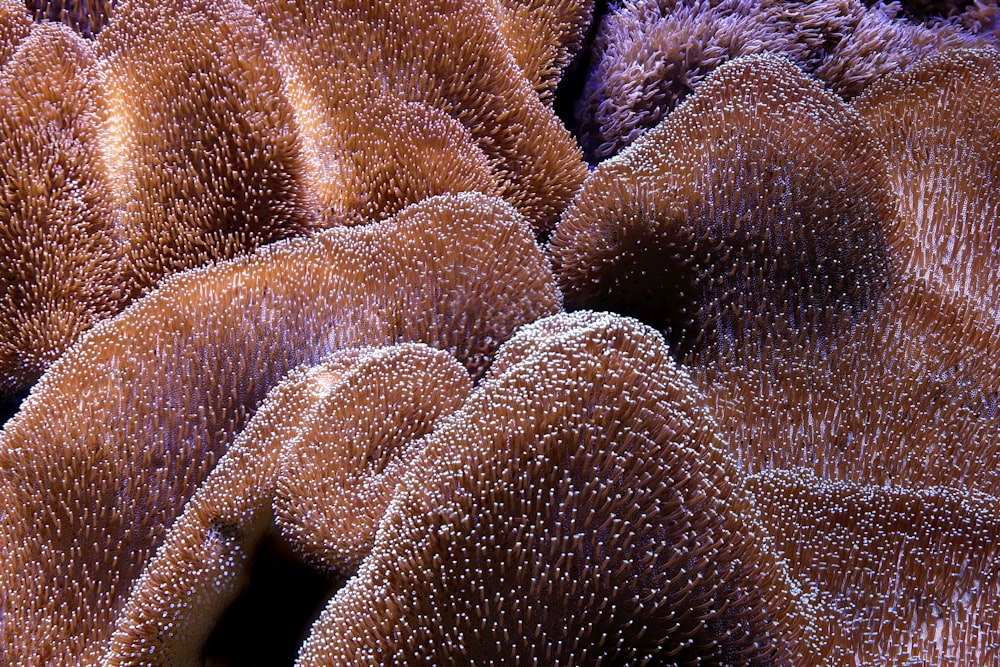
<point x="293" y="280"/>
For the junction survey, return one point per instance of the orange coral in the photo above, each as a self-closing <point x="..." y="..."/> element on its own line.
<point x="578" y="509"/>
<point x="59" y="236"/>
<point x="15" y="25"/>
<point x="359" y="51"/>
<point x="331" y="418"/>
<point x="223" y="129"/>
<point x="543" y="36"/>
<point x="202" y="142"/>
<point x="123" y="428"/>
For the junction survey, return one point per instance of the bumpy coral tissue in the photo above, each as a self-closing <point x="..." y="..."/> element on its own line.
<point x="288" y="282"/>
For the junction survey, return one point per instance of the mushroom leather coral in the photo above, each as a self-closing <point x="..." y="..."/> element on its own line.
<point x="887" y="407"/>
<point x="361" y="50"/>
<point x="124" y="427"/>
<point x="914" y="573"/>
<point x="60" y="243"/>
<point x="336" y="479"/>
<point x="937" y="120"/>
<point x="577" y="509"/>
<point x="908" y="392"/>
<point x="758" y="203"/>
<point x="543" y="36"/>
<point x="200" y="138"/>
<point x="343" y="430"/>
<point x="224" y="127"/>
<point x="691" y="234"/>
<point x="15" y="25"/>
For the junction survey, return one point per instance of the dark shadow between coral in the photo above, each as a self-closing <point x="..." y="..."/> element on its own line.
<point x="269" y="621"/>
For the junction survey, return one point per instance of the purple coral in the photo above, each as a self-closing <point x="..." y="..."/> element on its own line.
<point x="650" y="54"/>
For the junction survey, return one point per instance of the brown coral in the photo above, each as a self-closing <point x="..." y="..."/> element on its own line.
<point x="910" y="393"/>
<point x="914" y="573"/>
<point x="224" y="129"/>
<point x="59" y="239"/>
<point x="203" y="145"/>
<point x="123" y="428"/>
<point x="323" y="433"/>
<point x="382" y="153"/>
<point x="543" y="36"/>
<point x="871" y="373"/>
<point x="205" y="559"/>
<point x="15" y="24"/>
<point x="869" y="432"/>
<point x="458" y="64"/>
<point x="336" y="479"/>
<point x="757" y="205"/>
<point x="937" y="120"/>
<point x="578" y="509"/>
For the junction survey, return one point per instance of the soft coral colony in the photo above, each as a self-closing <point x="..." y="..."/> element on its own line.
<point x="344" y="338"/>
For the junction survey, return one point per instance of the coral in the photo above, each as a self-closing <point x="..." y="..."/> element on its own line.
<point x="914" y="573"/>
<point x="385" y="153"/>
<point x="543" y="36"/>
<point x="86" y="17"/>
<point x="936" y="120"/>
<point x="757" y="204"/>
<point x="881" y="41"/>
<point x="321" y="434"/>
<point x="125" y="426"/>
<point x="498" y="494"/>
<point x="799" y="288"/>
<point x="863" y="402"/>
<point x="337" y="477"/>
<point x="908" y="393"/>
<point x="577" y="509"/>
<point x="803" y="473"/>
<point x="201" y="140"/>
<point x="15" y="25"/>
<point x="206" y="557"/>
<point x="60" y="242"/>
<point x="215" y="128"/>
<point x="358" y="51"/>
<point x="650" y="54"/>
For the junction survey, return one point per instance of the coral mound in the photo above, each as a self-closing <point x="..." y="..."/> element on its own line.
<point x="187" y="132"/>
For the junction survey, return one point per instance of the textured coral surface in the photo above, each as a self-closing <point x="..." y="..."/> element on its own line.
<point x="293" y="280"/>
